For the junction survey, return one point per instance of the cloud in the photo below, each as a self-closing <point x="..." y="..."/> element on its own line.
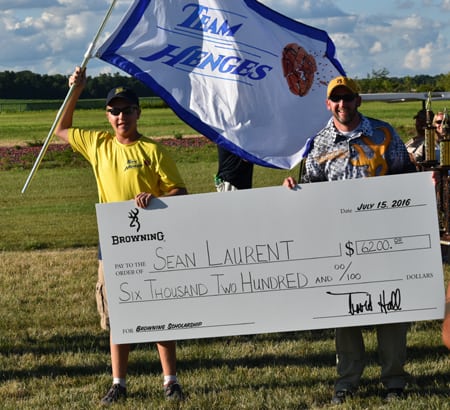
<point x="51" y="39"/>
<point x="368" y="40"/>
<point x="419" y="58"/>
<point x="306" y="9"/>
<point x="53" y="35"/>
<point x="346" y="41"/>
<point x="376" y="48"/>
<point x="25" y="4"/>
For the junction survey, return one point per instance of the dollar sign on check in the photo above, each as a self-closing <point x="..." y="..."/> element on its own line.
<point x="350" y="251"/>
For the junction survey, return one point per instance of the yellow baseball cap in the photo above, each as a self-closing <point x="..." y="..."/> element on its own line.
<point x="342" y="81"/>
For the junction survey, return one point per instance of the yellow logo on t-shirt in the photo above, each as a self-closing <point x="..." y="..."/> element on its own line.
<point x="376" y="164"/>
<point x="133" y="163"/>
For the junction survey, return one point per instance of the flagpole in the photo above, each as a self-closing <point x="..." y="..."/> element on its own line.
<point x="87" y="57"/>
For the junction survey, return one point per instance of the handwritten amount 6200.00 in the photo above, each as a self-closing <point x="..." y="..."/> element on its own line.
<point x="372" y="246"/>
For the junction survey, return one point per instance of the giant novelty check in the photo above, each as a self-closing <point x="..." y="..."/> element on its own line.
<point x="324" y="255"/>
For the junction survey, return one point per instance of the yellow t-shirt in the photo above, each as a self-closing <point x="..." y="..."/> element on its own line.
<point x="124" y="170"/>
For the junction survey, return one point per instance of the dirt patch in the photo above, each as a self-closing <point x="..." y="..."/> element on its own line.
<point x="21" y="155"/>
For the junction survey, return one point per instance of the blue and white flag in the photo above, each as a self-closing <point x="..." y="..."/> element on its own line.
<point x="248" y="78"/>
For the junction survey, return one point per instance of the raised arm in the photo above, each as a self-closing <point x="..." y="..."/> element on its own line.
<point x="78" y="79"/>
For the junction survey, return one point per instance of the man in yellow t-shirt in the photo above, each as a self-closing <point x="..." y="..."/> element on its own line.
<point x="126" y="165"/>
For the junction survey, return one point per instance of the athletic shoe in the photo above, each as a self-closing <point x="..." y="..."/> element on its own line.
<point x="395" y="394"/>
<point x="115" y="393"/>
<point x="173" y="392"/>
<point x="341" y="396"/>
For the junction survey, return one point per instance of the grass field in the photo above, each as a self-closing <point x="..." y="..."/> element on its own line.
<point x="33" y="126"/>
<point x="52" y="353"/>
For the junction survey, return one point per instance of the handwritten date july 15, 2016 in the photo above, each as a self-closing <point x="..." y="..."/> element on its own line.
<point x="396" y="203"/>
<point x="379" y="205"/>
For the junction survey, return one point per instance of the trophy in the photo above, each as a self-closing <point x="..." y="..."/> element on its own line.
<point x="445" y="141"/>
<point x="430" y="140"/>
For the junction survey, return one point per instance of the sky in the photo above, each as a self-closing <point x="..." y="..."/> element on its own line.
<point x="405" y="37"/>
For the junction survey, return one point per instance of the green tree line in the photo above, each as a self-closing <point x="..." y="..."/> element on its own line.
<point x="28" y="85"/>
<point x="380" y="82"/>
<point x="25" y="85"/>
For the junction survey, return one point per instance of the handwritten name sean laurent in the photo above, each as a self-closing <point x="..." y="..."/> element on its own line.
<point x="238" y="255"/>
<point x="361" y="302"/>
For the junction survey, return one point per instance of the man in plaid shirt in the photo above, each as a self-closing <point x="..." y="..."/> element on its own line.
<point x="354" y="146"/>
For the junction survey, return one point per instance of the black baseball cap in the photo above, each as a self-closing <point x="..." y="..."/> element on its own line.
<point x="124" y="93"/>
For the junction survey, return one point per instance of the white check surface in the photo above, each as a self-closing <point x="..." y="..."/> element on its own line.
<point x="267" y="260"/>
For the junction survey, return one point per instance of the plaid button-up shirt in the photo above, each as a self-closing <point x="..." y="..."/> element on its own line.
<point x="373" y="149"/>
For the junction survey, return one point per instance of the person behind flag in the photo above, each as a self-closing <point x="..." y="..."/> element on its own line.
<point x="354" y="146"/>
<point x="233" y="172"/>
<point x="127" y="165"/>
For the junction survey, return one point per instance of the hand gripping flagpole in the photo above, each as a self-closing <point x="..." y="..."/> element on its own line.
<point x="83" y="65"/>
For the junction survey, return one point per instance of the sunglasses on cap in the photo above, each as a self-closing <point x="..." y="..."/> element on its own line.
<point x="343" y="97"/>
<point x="125" y="111"/>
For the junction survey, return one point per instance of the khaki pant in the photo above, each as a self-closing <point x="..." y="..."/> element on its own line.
<point x="100" y="296"/>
